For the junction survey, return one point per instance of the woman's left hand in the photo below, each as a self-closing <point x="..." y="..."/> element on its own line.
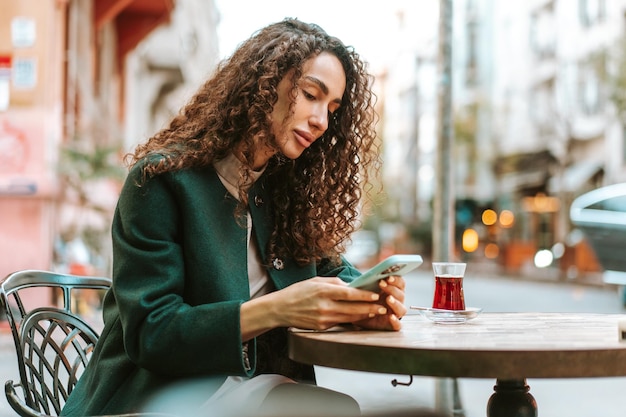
<point x="392" y="296"/>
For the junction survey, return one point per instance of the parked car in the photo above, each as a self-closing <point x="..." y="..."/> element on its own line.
<point x="601" y="215"/>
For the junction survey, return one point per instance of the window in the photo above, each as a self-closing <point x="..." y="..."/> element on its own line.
<point x="589" y="93"/>
<point x="591" y="12"/>
<point x="542" y="33"/>
<point x="590" y="84"/>
<point x="542" y="107"/>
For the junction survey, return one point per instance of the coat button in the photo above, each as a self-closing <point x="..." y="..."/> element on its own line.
<point x="278" y="264"/>
<point x="258" y="200"/>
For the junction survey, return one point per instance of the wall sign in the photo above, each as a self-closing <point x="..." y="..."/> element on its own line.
<point x="25" y="72"/>
<point x="23" y="32"/>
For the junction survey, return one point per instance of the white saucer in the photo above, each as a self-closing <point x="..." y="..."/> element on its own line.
<point x="448" y="316"/>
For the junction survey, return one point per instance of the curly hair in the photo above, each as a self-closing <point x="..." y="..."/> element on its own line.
<point x="316" y="197"/>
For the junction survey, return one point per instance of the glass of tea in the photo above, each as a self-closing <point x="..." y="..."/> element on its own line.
<point x="449" y="285"/>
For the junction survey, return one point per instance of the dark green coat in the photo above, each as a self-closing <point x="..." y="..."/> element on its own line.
<point x="179" y="278"/>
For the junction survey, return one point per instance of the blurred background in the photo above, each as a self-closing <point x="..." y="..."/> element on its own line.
<point x="538" y="100"/>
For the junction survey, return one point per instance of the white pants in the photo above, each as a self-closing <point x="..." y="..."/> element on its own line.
<point x="261" y="396"/>
<point x="242" y="396"/>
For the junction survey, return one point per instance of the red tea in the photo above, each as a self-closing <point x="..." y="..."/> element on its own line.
<point x="449" y="293"/>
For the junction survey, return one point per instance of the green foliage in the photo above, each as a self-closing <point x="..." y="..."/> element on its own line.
<point x="97" y="162"/>
<point x="80" y="164"/>
<point x="84" y="164"/>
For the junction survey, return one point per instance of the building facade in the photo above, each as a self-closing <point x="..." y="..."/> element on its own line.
<point x="534" y="122"/>
<point x="62" y="94"/>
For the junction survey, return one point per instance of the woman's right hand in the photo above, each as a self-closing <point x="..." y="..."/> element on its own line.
<point x="316" y="304"/>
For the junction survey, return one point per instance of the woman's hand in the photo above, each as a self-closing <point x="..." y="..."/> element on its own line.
<point x="392" y="295"/>
<point x="320" y="303"/>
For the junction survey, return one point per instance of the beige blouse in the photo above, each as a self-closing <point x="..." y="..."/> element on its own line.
<point x="228" y="172"/>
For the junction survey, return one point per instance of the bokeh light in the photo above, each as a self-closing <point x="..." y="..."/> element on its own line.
<point x="492" y="251"/>
<point x="543" y="258"/>
<point x="489" y="217"/>
<point x="507" y="218"/>
<point x="470" y="240"/>
<point x="558" y="250"/>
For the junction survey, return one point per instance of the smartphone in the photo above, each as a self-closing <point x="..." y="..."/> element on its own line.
<point x="393" y="265"/>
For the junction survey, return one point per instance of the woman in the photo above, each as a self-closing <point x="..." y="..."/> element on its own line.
<point x="230" y="226"/>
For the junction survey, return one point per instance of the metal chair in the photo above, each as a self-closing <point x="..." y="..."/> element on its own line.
<point x="52" y="342"/>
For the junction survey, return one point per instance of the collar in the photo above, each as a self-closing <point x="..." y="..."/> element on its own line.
<point x="229" y="169"/>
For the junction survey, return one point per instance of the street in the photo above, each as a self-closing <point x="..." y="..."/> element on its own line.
<point x="555" y="397"/>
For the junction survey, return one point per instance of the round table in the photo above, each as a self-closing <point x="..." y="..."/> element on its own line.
<point x="509" y="347"/>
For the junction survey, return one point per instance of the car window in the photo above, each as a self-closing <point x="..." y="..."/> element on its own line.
<point x="611" y="204"/>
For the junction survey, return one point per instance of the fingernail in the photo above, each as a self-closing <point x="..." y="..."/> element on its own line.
<point x="382" y="310"/>
<point x="391" y="300"/>
<point x="383" y="283"/>
<point x="372" y="315"/>
<point x="375" y="297"/>
<point x="392" y="279"/>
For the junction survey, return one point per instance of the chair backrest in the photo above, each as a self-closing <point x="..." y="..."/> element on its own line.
<point x="52" y="342"/>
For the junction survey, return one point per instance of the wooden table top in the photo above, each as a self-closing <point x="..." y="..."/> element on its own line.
<point x="493" y="345"/>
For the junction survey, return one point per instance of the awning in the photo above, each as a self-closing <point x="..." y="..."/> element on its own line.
<point x="134" y="19"/>
<point x="574" y="177"/>
<point x="523" y="171"/>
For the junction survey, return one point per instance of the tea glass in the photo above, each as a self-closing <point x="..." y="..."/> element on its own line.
<point x="449" y="285"/>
